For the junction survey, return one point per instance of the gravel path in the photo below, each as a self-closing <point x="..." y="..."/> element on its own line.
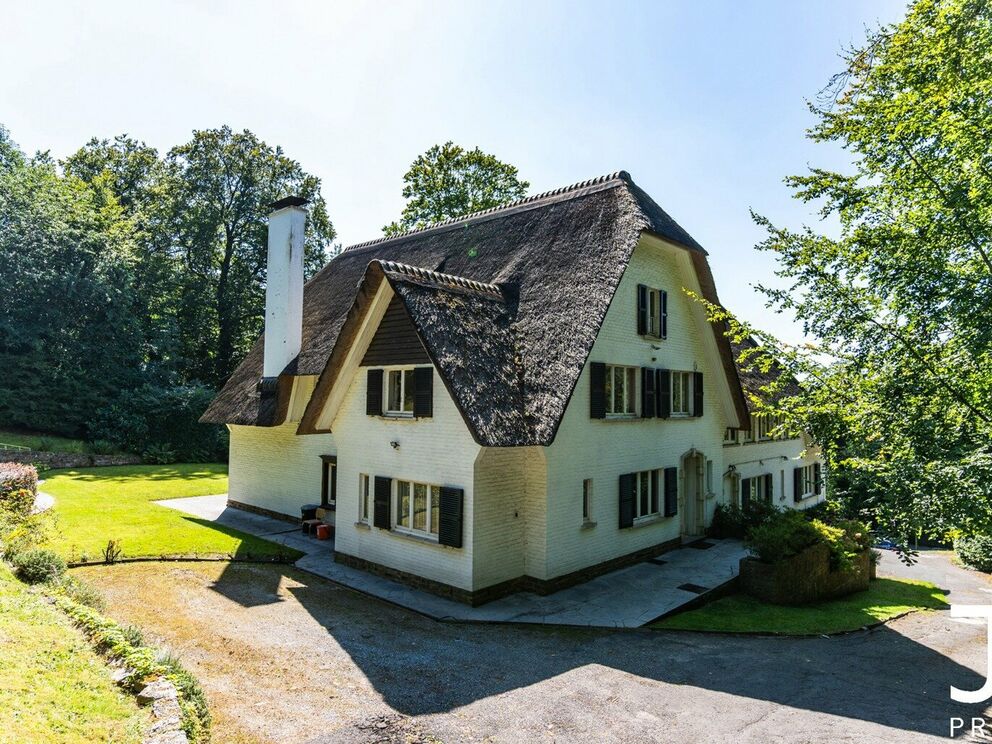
<point x="288" y="657"/>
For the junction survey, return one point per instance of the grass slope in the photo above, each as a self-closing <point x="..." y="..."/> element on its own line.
<point x="54" y="687"/>
<point x="885" y="599"/>
<point x="31" y="440"/>
<point x="94" y="505"/>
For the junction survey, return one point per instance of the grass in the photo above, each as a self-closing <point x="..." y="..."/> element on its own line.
<point x="41" y="442"/>
<point x="55" y="688"/>
<point x="884" y="600"/>
<point x="95" y="505"/>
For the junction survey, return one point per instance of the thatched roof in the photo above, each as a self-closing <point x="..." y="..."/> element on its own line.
<point x="755" y="379"/>
<point x="511" y="363"/>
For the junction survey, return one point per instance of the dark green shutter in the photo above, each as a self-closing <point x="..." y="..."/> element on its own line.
<point x="642" y="309"/>
<point x="648" y="403"/>
<point x="381" y="496"/>
<point x="664" y="314"/>
<point x="797" y="484"/>
<point x="373" y="393"/>
<point x="817" y="484"/>
<point x="671" y="492"/>
<point x="655" y="492"/>
<point x="450" y="517"/>
<point x="597" y="390"/>
<point x="697" y="394"/>
<point x="663" y="392"/>
<point x="628" y="493"/>
<point x="745" y="492"/>
<point x="769" y="488"/>
<point x="423" y="392"/>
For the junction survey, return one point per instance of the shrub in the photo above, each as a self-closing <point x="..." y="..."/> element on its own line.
<point x="16" y="477"/>
<point x="102" y="447"/>
<point x="46" y="444"/>
<point x="160" y="454"/>
<point x="112" y="551"/>
<point x="39" y="566"/>
<point x="730" y="520"/>
<point x="155" y="420"/>
<point x="785" y="534"/>
<point x="975" y="552"/>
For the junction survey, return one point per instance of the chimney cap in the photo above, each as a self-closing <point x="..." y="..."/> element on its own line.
<point x="288" y="201"/>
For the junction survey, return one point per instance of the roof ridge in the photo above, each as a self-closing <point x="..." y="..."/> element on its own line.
<point x="620" y="175"/>
<point x="416" y="272"/>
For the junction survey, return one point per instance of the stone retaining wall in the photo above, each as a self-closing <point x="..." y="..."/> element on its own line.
<point x="803" y="578"/>
<point x="66" y="459"/>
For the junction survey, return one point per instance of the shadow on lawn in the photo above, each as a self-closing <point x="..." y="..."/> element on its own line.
<point x="421" y="666"/>
<point x="151" y="473"/>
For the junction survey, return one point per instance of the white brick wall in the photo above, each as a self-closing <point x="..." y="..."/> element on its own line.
<point x="758" y="458"/>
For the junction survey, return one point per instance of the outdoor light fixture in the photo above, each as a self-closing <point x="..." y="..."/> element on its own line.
<point x="394" y="444"/>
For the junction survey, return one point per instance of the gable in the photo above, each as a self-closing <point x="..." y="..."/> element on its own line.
<point x="395" y="341"/>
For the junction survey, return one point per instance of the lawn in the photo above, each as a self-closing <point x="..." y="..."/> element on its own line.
<point x="41" y="442"/>
<point x="884" y="600"/>
<point x="55" y="688"/>
<point x="95" y="505"/>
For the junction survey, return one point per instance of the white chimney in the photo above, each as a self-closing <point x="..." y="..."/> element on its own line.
<point x="284" y="285"/>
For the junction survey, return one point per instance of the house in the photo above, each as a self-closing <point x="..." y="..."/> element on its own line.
<point x="522" y="398"/>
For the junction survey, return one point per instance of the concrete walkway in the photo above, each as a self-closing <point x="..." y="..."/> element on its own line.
<point x="627" y="598"/>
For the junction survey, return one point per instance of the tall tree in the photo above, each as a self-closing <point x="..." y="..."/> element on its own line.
<point x="899" y="381"/>
<point x="448" y="181"/>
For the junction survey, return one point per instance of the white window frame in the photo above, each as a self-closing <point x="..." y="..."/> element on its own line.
<point x="363" y="498"/>
<point x="642" y="485"/>
<point x="757" y="487"/>
<point x="730" y="436"/>
<point x="433" y="494"/>
<point x="404" y="373"/>
<point x="656" y="299"/>
<point x="630" y="397"/>
<point x="587" y="501"/>
<point x="809" y="482"/>
<point x="682" y="382"/>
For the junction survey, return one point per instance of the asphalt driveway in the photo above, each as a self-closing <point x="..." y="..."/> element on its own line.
<point x="286" y="656"/>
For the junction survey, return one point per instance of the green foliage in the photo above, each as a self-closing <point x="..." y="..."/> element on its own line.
<point x="786" y="534"/>
<point x="896" y="300"/>
<point x="79" y="591"/>
<point x="731" y="520"/>
<point x="162" y="424"/>
<point x="102" y="447"/>
<point x="39" y="566"/>
<point x="448" y="181"/>
<point x="143" y="664"/>
<point x="15" y="480"/>
<point x="975" y="552"/>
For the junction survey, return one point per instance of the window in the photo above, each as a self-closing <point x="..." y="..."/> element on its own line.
<point x="621" y="390"/>
<point x="587" y="501"/>
<point x="399" y="392"/>
<point x="748" y="435"/>
<point x="646" y="503"/>
<point x="657" y="313"/>
<point x="709" y="476"/>
<point x="757" y="489"/>
<point x="681" y="393"/>
<point x="363" y="498"/>
<point x="417" y="507"/>
<point x="329" y="481"/>
<point x="730" y="436"/>
<point x="808" y="481"/>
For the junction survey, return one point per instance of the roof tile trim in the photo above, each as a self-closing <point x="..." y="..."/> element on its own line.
<point x="435" y="277"/>
<point x="527" y="202"/>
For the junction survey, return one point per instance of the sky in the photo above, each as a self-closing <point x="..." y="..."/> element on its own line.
<point x="702" y="102"/>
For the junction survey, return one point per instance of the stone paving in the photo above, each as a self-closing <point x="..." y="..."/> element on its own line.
<point x="627" y="598"/>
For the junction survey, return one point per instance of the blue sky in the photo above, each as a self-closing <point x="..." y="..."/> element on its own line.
<point x="702" y="102"/>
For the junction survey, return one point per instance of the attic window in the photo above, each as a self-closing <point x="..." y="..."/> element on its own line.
<point x="399" y="392"/>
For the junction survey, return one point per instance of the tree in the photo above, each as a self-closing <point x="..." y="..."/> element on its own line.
<point x="899" y="380"/>
<point x="68" y="331"/>
<point x="219" y="186"/>
<point x="448" y="181"/>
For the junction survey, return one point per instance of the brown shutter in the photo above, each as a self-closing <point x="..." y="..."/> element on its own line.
<point x="664" y="314"/>
<point x="373" y="393"/>
<point x="797" y="484"/>
<point x="663" y="393"/>
<point x="642" y="309"/>
<point x="383" y="492"/>
<point x="597" y="390"/>
<point x="697" y="394"/>
<point x="628" y="493"/>
<point x="423" y="392"/>
<point x="450" y="517"/>
<point x="648" y="403"/>
<point x="671" y="492"/>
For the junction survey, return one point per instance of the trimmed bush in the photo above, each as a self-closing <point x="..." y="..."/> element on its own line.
<point x="162" y="424"/>
<point x="730" y="520"/>
<point x="39" y="566"/>
<point x="18" y="487"/>
<point x="975" y="552"/>
<point x="786" y="534"/>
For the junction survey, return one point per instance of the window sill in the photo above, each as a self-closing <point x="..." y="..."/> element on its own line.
<point x="396" y="415"/>
<point x="362" y="526"/>
<point x="406" y="535"/>
<point x="646" y="521"/>
<point x="587" y="525"/>
<point x="622" y="417"/>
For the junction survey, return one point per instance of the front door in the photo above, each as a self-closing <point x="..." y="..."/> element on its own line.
<point x="692" y="480"/>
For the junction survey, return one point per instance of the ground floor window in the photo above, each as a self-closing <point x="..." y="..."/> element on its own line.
<point x="757" y="489"/>
<point x="329" y="481"/>
<point x="417" y="507"/>
<point x="646" y="504"/>
<point x="807" y="481"/>
<point x="587" y="501"/>
<point x="363" y="498"/>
